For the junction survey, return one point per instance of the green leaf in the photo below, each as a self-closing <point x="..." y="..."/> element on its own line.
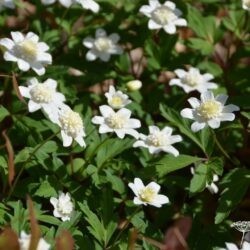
<point x="199" y="180"/>
<point x="235" y="185"/>
<point x="170" y="163"/>
<point x="3" y="113"/>
<point x="96" y="227"/>
<point x="110" y="148"/>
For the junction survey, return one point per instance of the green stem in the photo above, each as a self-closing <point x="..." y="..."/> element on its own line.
<point x="24" y="164"/>
<point x="124" y="227"/>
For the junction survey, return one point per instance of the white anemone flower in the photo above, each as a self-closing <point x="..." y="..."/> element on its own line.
<point x="147" y="194"/>
<point x="7" y="4"/>
<point x="116" y="99"/>
<point x="246" y="4"/>
<point x="63" y="206"/>
<point x="86" y="4"/>
<point x="102" y="46"/>
<point x="165" y="16"/>
<point x="159" y="140"/>
<point x="43" y="96"/>
<point x="193" y="80"/>
<point x="24" y="242"/>
<point x="209" y="111"/>
<point x="27" y="51"/>
<point x="118" y="122"/>
<point x="72" y="127"/>
<point x="231" y="246"/>
<point x="212" y="187"/>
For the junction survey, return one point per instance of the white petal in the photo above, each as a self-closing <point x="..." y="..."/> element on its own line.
<point x="162" y="199"/>
<point x="67" y="140"/>
<point x="105" y="129"/>
<point x="153" y="129"/>
<point x="170" y="28"/>
<point x="154" y="3"/>
<point x="156" y="187"/>
<point x="171" y="150"/>
<point x="7" y="43"/>
<point x="98" y="120"/>
<point x="114" y="37"/>
<point x="167" y="130"/>
<point x="227" y="117"/>
<point x="32" y="36"/>
<point x="124" y="112"/>
<point x="169" y="4"/>
<point x="53" y="201"/>
<point x="180" y="73"/>
<point x="230" y="108"/>
<point x="187" y="113"/>
<point x="194" y="102"/>
<point x="100" y="33"/>
<point x="213" y="188"/>
<point x="175" y="138"/>
<point x="104" y="56"/>
<point x="38" y="68"/>
<point x="88" y="42"/>
<point x="25" y="92"/>
<point x="139" y="143"/>
<point x="152" y="25"/>
<point x="133" y="123"/>
<point x="196" y="126"/>
<point x="136" y="186"/>
<point x="120" y="133"/>
<point x="146" y="10"/>
<point x="17" y="36"/>
<point x="221" y="98"/>
<point x="180" y="22"/>
<point x="132" y="132"/>
<point x="214" y="123"/>
<point x="8" y="56"/>
<point x="32" y="106"/>
<point x="51" y="83"/>
<point x="91" y="56"/>
<point x="206" y="96"/>
<point x="208" y="76"/>
<point x="66" y="3"/>
<point x="137" y="201"/>
<point x="106" y="111"/>
<point x="231" y="246"/>
<point x="89" y="4"/>
<point x="80" y="141"/>
<point x="23" y="65"/>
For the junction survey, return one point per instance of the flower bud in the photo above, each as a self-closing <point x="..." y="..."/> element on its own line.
<point x="134" y="85"/>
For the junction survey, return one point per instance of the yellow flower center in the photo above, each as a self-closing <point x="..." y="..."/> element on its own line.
<point x="41" y="94"/>
<point x="163" y="15"/>
<point x="71" y="123"/>
<point x="192" y="79"/>
<point x="210" y="109"/>
<point x="28" y="49"/>
<point x="155" y="139"/>
<point x="115" y="121"/>
<point x="147" y="194"/>
<point x="103" y="44"/>
<point x="116" y="102"/>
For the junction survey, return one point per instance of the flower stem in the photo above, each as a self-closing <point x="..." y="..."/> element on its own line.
<point x="242" y="239"/>
<point x="24" y="164"/>
<point x="124" y="227"/>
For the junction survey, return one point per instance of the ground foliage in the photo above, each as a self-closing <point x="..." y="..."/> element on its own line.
<point x="33" y="161"/>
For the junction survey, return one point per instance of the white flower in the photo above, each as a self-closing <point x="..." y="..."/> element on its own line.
<point x="86" y="4"/>
<point x="209" y="111"/>
<point x="118" y="122"/>
<point x="24" y="242"/>
<point x="26" y="51"/>
<point x="43" y="96"/>
<point x="246" y="4"/>
<point x="63" y="206"/>
<point x="102" y="46"/>
<point x="212" y="187"/>
<point x="159" y="140"/>
<point x="147" y="194"/>
<point x="7" y="4"/>
<point x="134" y="85"/>
<point x="71" y="127"/>
<point x="165" y="16"/>
<point x="193" y="80"/>
<point x="231" y="246"/>
<point x="116" y="99"/>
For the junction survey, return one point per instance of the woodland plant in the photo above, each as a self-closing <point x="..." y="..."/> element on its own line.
<point x="124" y="124"/>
